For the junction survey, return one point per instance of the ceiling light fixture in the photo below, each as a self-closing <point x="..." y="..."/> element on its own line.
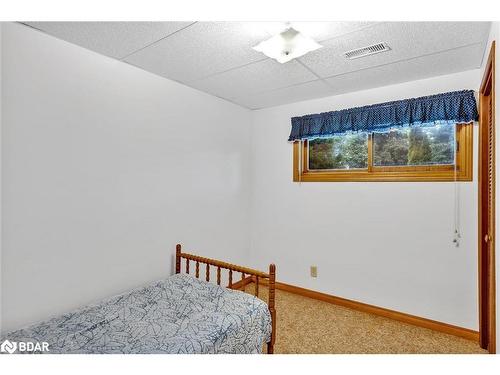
<point x="287" y="45"/>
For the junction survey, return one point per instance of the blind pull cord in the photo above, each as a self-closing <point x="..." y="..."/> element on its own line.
<point x="300" y="161"/>
<point x="456" y="197"/>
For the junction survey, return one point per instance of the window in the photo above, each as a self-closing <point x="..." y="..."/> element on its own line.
<point x="415" y="146"/>
<point x="349" y="151"/>
<point x="405" y="154"/>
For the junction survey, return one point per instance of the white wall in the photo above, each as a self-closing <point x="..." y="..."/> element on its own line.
<point x="386" y="244"/>
<point x="105" y="168"/>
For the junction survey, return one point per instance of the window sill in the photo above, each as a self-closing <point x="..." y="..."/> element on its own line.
<point x="365" y="176"/>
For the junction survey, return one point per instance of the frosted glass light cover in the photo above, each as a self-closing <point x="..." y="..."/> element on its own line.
<point x="287" y="45"/>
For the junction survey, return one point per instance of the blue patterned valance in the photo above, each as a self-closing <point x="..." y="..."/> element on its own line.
<point x="457" y="107"/>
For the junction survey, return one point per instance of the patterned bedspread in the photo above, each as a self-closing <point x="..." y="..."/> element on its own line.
<point x="179" y="314"/>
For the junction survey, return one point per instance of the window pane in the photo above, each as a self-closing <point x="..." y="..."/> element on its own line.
<point x="349" y="151"/>
<point x="415" y="146"/>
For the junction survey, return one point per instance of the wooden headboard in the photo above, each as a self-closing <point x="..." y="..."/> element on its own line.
<point x="247" y="275"/>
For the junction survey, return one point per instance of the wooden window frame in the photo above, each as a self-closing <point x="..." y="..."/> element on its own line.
<point x="464" y="135"/>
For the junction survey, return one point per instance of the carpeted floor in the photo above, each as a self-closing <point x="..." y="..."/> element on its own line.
<point x="306" y="325"/>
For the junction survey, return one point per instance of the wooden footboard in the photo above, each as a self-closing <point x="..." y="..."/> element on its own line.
<point x="245" y="272"/>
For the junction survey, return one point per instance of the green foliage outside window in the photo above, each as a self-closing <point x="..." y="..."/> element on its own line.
<point x="415" y="146"/>
<point x="348" y="151"/>
<point x="406" y="146"/>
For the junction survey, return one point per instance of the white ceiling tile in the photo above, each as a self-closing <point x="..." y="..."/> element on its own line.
<point x="217" y="57"/>
<point x="443" y="63"/>
<point x="304" y="91"/>
<point x="114" y="39"/>
<point x="202" y="49"/>
<point x="406" y="40"/>
<point x="261" y="76"/>
<point x="321" y="31"/>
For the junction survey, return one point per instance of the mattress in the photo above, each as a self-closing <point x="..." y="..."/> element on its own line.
<point x="179" y="314"/>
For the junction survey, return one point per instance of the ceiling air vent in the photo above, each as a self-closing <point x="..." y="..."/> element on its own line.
<point x="366" y="51"/>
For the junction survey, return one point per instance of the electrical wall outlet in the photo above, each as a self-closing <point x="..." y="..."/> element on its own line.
<point x="314" y="271"/>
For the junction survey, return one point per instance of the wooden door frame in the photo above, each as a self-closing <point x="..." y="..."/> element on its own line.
<point x="487" y="311"/>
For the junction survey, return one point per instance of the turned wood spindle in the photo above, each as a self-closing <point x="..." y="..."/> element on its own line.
<point x="218" y="275"/>
<point x="231" y="279"/>
<point x="197" y="269"/>
<point x="178" y="258"/>
<point x="256" y="286"/>
<point x="187" y="266"/>
<point x="271" y="305"/>
<point x="208" y="272"/>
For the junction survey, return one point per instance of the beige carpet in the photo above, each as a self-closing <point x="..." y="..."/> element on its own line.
<point x="306" y="325"/>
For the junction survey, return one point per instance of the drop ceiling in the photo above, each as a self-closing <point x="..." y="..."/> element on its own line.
<point x="217" y="57"/>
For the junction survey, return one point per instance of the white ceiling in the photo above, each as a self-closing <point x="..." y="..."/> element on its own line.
<point x="216" y="57"/>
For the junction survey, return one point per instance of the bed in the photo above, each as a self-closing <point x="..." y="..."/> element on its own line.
<point x="178" y="314"/>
